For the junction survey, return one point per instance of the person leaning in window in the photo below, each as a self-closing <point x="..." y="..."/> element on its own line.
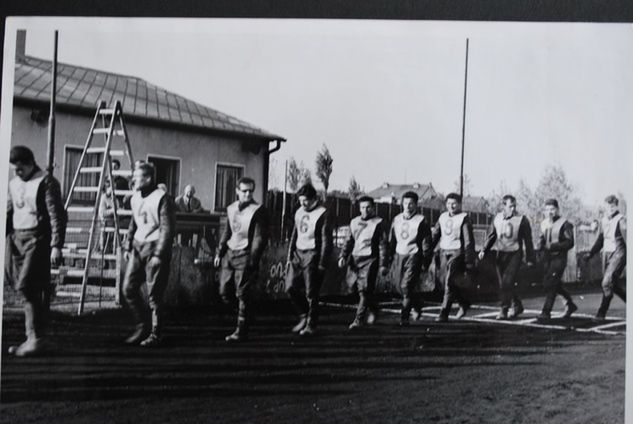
<point x="187" y="202"/>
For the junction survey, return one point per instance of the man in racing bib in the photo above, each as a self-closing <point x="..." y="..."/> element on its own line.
<point x="364" y="251"/>
<point x="240" y="250"/>
<point x="508" y="234"/>
<point x="612" y="241"/>
<point x="454" y="233"/>
<point x="308" y="254"/>
<point x="148" y="253"/>
<point x="410" y="246"/>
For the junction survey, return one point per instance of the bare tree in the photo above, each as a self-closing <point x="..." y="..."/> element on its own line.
<point x="324" y="166"/>
<point x="354" y="191"/>
<point x="294" y="175"/>
<point x="468" y="186"/>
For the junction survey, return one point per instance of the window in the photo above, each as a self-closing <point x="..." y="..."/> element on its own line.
<point x="225" y="182"/>
<point x="167" y="172"/>
<point x="72" y="155"/>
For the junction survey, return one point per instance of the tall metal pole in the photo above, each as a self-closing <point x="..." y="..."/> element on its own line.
<point x="461" y="172"/>
<point x="50" y="153"/>
<point x="283" y="203"/>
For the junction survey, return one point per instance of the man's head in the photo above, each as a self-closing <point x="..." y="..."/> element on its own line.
<point x="245" y="189"/>
<point x="189" y="191"/>
<point x="307" y="196"/>
<point x="409" y="203"/>
<point x="611" y="202"/>
<point x="22" y="161"/>
<point x="116" y="164"/>
<point x="551" y="208"/>
<point x="162" y="186"/>
<point x="143" y="176"/>
<point x="367" y="207"/>
<point x="453" y="203"/>
<point x="509" y="205"/>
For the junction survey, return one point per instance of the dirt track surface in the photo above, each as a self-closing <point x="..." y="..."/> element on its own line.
<point x="433" y="373"/>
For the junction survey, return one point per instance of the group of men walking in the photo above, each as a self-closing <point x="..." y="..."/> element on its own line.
<point x="36" y="222"/>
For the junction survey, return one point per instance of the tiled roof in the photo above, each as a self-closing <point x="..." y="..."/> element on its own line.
<point x="82" y="88"/>
<point x="424" y="191"/>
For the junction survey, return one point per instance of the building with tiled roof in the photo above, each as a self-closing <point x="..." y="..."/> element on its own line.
<point x="189" y="143"/>
<point x="389" y="193"/>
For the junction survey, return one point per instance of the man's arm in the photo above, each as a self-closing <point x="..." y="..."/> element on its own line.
<point x="491" y="238"/>
<point x="348" y="245"/>
<point x="56" y="212"/>
<point x="224" y="238"/>
<point x="326" y="240"/>
<point x="622" y="229"/>
<point x="525" y="234"/>
<point x="566" y="240"/>
<point x="260" y="236"/>
<point x="424" y="243"/>
<point x="597" y="245"/>
<point x="469" y="242"/>
<point x="383" y="244"/>
<point x="436" y="234"/>
<point x="196" y="205"/>
<point x="9" y="223"/>
<point x="292" y="244"/>
<point x="167" y="229"/>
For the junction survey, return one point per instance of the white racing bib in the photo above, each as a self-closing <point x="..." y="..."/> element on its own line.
<point x="507" y="232"/>
<point x="451" y="227"/>
<point x="609" y="228"/>
<point x="305" y="223"/>
<point x="551" y="231"/>
<point x="363" y="232"/>
<point x="406" y="232"/>
<point x="240" y="222"/>
<point x="146" y="215"/>
<point x="24" y="199"/>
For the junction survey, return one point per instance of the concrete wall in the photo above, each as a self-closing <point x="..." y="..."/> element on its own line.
<point x="199" y="153"/>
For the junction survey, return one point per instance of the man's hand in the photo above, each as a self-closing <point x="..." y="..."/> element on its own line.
<point x="481" y="255"/>
<point x="154" y="262"/>
<point x="586" y="256"/>
<point x="126" y="255"/>
<point x="216" y="261"/>
<point x="341" y="263"/>
<point x="56" y="256"/>
<point x="530" y="264"/>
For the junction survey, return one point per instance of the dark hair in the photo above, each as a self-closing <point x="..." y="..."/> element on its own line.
<point x="148" y="169"/>
<point x="245" y="181"/>
<point x="551" y="202"/>
<point x="612" y="200"/>
<point x="454" y="196"/>
<point x="366" y="199"/>
<point x="308" y="191"/>
<point x="21" y="154"/>
<point x="509" y="197"/>
<point x="410" y="195"/>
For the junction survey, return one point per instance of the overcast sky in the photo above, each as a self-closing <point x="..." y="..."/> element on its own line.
<point x="386" y="97"/>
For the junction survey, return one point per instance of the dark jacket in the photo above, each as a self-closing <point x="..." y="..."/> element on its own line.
<point x="525" y="238"/>
<point x="51" y="215"/>
<point x="167" y="216"/>
<point x="323" y="239"/>
<point x="257" y="235"/>
<point x="467" y="240"/>
<point x="378" y="245"/>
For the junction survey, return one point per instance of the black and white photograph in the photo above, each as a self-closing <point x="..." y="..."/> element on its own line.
<point x="314" y="220"/>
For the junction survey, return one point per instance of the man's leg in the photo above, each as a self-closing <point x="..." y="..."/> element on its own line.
<point x="508" y="273"/>
<point x="244" y="278"/>
<point x="132" y="282"/>
<point x="447" y="300"/>
<point x="614" y="265"/>
<point x="313" y="277"/>
<point x="297" y="299"/>
<point x="157" y="279"/>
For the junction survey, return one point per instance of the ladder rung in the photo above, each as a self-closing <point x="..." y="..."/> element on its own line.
<point x="123" y="192"/>
<point x="78" y="255"/>
<point x="107" y="130"/>
<point x="106" y="111"/>
<point x="75" y="230"/>
<point x="63" y="293"/>
<point x="122" y="172"/>
<point x="86" y="189"/>
<point x="90" y="169"/>
<point x="102" y="150"/>
<point x="70" y="272"/>
<point x="113" y="229"/>
<point x="80" y="209"/>
<point x="124" y="212"/>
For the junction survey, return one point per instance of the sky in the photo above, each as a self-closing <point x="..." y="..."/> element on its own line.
<point x="386" y="97"/>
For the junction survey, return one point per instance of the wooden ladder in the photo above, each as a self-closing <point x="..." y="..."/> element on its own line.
<point x="109" y="123"/>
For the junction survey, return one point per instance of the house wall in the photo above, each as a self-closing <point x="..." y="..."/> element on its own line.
<point x="199" y="153"/>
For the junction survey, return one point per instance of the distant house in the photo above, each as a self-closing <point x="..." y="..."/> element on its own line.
<point x="392" y="193"/>
<point x="189" y="143"/>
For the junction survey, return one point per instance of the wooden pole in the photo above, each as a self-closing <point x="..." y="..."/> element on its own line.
<point x="461" y="171"/>
<point x="50" y="152"/>
<point x="283" y="202"/>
